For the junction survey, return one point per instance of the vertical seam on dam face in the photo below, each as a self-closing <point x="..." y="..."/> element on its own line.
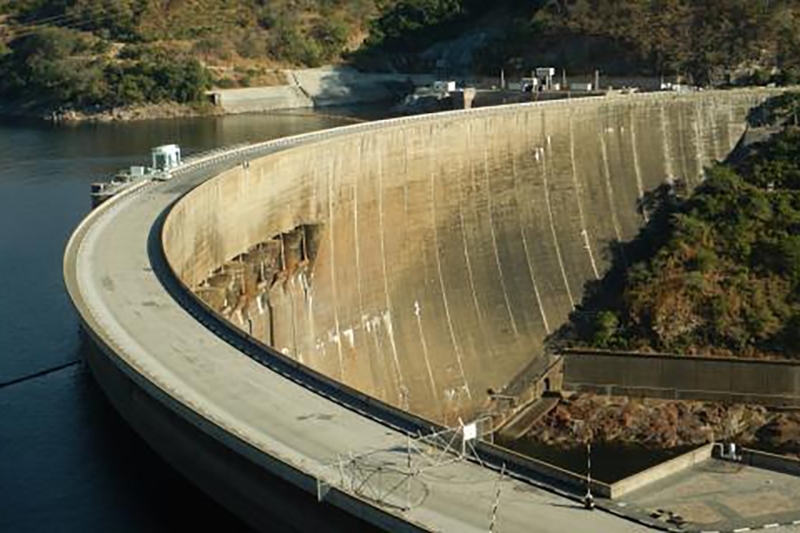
<point x="698" y="144"/>
<point x="376" y="361"/>
<point x="609" y="187"/>
<point x="637" y="168"/>
<point x="334" y="303"/>
<point x="387" y="317"/>
<point x="441" y="277"/>
<point x="579" y="198"/>
<point x="536" y="292"/>
<point x="684" y="156"/>
<point x="492" y="231"/>
<point x="551" y="217"/>
<point x="467" y="259"/>
<point x="665" y="132"/>
<point x="417" y="306"/>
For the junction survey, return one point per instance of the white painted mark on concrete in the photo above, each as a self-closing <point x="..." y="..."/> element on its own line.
<point x="432" y="380"/>
<point x="334" y="337"/>
<point x="350" y="335"/>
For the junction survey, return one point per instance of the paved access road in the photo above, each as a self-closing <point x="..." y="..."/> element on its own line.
<point x="117" y="287"/>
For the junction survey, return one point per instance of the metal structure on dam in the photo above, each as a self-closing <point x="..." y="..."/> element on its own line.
<point x="447" y="247"/>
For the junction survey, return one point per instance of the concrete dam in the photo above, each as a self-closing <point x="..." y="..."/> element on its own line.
<point x="425" y="262"/>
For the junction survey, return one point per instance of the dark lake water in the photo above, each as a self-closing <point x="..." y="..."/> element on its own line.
<point x="67" y="461"/>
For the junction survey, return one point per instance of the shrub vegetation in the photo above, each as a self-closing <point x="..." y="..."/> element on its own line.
<point x="717" y="271"/>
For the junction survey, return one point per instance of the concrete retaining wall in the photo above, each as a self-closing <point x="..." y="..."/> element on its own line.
<point x="660" y="471"/>
<point x="452" y="245"/>
<point x="770" y="461"/>
<point x="318" y="87"/>
<point x="259" y="99"/>
<point x="774" y="383"/>
<point x="337" y="85"/>
<point x="530" y="468"/>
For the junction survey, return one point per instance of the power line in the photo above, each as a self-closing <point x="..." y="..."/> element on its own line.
<point x="35" y="24"/>
<point x="39" y="374"/>
<point x="75" y="19"/>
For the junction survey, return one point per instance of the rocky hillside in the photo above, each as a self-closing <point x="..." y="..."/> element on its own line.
<point x="663" y="424"/>
<point x="98" y="54"/>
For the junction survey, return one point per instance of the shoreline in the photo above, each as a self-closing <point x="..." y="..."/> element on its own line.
<point x="169" y="110"/>
<point x="165" y="112"/>
<point x="308" y="89"/>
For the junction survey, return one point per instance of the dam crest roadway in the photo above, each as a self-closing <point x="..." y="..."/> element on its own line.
<point x="447" y="248"/>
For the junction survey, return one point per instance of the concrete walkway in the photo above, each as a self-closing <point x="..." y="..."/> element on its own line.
<point x="720" y="495"/>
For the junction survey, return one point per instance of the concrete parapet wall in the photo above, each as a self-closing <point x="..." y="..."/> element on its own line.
<point x="531" y="468"/>
<point x="453" y="244"/>
<point x="660" y="471"/>
<point x="774" y="383"/>
<point x="770" y="461"/>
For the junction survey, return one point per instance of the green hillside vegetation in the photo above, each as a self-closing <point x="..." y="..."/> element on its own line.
<point x="105" y="53"/>
<point x="717" y="272"/>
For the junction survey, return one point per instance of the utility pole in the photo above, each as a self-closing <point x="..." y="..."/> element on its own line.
<point x="496" y="504"/>
<point x="588" y="500"/>
<point x="409" y="475"/>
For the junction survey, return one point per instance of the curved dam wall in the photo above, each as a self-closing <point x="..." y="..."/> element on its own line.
<point x="449" y="246"/>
